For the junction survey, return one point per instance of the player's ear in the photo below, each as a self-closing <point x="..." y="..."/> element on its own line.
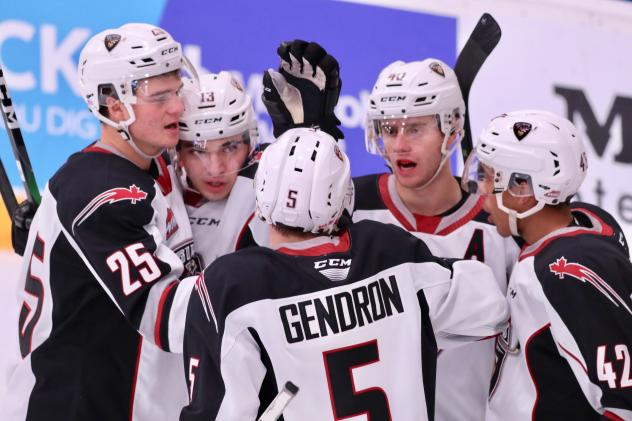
<point x="526" y="202"/>
<point x="116" y="110"/>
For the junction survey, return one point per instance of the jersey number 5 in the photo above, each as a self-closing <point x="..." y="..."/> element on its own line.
<point x="143" y="262"/>
<point x="346" y="401"/>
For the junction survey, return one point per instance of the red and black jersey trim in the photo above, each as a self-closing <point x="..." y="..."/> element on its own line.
<point x="343" y="246"/>
<point x="603" y="230"/>
<point x="161" y="330"/>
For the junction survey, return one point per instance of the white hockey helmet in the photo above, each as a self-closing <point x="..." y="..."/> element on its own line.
<point x="216" y="107"/>
<point x="304" y="181"/>
<point x="527" y="153"/>
<point x="418" y="88"/>
<point x="113" y="61"/>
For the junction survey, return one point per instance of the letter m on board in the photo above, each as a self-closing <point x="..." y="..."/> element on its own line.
<point x="599" y="134"/>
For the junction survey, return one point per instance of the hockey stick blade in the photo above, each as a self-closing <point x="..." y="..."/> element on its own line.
<point x="479" y="46"/>
<point x="279" y="403"/>
<point x="6" y="190"/>
<point x="17" y="143"/>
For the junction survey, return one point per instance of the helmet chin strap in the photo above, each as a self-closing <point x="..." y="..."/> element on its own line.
<point x="127" y="136"/>
<point x="513" y="215"/>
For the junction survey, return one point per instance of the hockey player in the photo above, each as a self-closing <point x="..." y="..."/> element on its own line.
<point x="352" y="316"/>
<point x="104" y="252"/>
<point x="415" y="121"/>
<point x="567" y="353"/>
<point x="416" y="114"/>
<point x="216" y="157"/>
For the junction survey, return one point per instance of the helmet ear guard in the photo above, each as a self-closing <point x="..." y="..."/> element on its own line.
<point x="304" y="181"/>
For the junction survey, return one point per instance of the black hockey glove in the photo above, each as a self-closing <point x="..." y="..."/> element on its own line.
<point x="305" y="90"/>
<point x="20" y="225"/>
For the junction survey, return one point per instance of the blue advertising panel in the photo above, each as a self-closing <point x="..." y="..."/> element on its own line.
<point x="40" y="45"/>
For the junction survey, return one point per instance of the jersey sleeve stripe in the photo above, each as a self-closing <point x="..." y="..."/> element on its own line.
<point x="161" y="330"/>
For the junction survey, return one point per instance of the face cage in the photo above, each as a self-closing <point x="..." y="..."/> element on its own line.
<point x="251" y="158"/>
<point x="127" y="99"/>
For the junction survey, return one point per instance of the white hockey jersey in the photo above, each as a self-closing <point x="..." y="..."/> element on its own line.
<point x="567" y="353"/>
<point x="360" y="344"/>
<point x="224" y="226"/>
<point x="464" y="232"/>
<point x="103" y="259"/>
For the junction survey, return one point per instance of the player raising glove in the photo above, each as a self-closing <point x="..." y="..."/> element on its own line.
<point x="305" y="90"/>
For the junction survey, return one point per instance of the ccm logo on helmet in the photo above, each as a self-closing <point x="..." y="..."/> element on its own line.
<point x="392" y="98"/>
<point x="208" y="120"/>
<point x="169" y="50"/>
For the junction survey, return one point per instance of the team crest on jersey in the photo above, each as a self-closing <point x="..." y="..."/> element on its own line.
<point x="561" y="267"/>
<point x="522" y="129"/>
<point x="172" y="224"/>
<point x="111" y="41"/>
<point x="118" y="194"/>
<point x="437" y="68"/>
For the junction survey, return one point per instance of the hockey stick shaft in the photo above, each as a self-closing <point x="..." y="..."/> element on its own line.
<point x="17" y="143"/>
<point x="6" y="190"/>
<point x="279" y="403"/>
<point x="481" y="43"/>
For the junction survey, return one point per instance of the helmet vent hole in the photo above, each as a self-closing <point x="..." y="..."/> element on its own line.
<point x="393" y="85"/>
<point x="422" y="84"/>
<point x="292" y="150"/>
<point x="317" y="143"/>
<point x="298" y="169"/>
<point x="161" y="39"/>
<point x="553" y="153"/>
<point x="135" y="47"/>
<point x="313" y="157"/>
<point x="235" y="117"/>
<point x="420" y="99"/>
<point x="232" y="102"/>
<point x="221" y="132"/>
<point x="556" y="163"/>
<point x="556" y="172"/>
<point x="495" y="133"/>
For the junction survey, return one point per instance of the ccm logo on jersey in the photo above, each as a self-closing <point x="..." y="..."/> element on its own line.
<point x="562" y="267"/>
<point x="133" y="193"/>
<point x="334" y="269"/>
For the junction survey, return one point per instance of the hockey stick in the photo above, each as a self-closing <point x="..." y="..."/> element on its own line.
<point x="6" y="190"/>
<point x="278" y="404"/>
<point x="478" y="47"/>
<point x="17" y="144"/>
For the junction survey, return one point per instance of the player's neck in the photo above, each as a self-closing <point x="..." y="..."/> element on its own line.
<point x="434" y="199"/>
<point x="544" y="222"/>
<point x="277" y="237"/>
<point x="111" y="137"/>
